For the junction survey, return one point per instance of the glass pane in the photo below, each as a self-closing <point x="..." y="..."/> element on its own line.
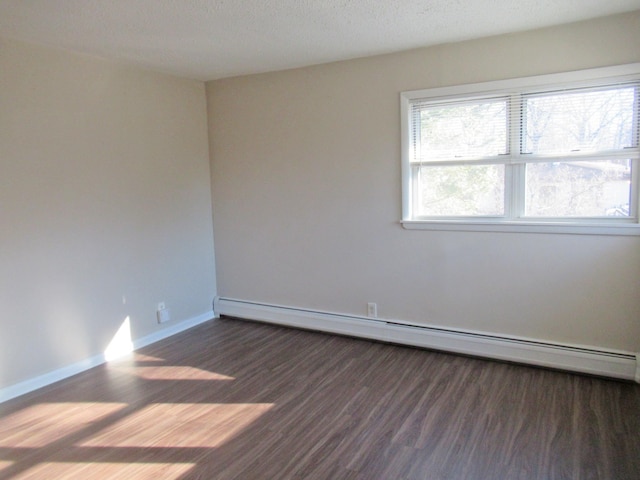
<point x="465" y="190"/>
<point x="585" y="121"/>
<point x="578" y="189"/>
<point x="465" y="130"/>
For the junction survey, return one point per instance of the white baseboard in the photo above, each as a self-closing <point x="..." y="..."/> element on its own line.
<point x="575" y="358"/>
<point x="40" y="381"/>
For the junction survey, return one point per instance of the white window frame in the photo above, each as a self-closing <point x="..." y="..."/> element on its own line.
<point x="596" y="226"/>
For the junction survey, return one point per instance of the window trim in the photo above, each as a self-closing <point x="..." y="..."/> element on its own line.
<point x="538" y="83"/>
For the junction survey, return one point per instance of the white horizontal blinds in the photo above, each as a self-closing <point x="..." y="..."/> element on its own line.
<point x="415" y="154"/>
<point x="458" y="148"/>
<point x="582" y="141"/>
<point x="580" y="121"/>
<point x="459" y="130"/>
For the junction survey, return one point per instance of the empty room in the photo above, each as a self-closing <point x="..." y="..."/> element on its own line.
<point x="320" y="239"/>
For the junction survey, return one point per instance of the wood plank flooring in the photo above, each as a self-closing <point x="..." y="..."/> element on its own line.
<point x="232" y="399"/>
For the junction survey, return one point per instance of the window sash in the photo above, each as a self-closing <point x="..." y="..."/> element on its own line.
<point x="585" y="103"/>
<point x="451" y="114"/>
<point x="517" y="128"/>
<point x="524" y="158"/>
<point x="515" y="197"/>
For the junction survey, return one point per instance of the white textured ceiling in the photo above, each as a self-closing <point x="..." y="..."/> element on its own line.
<point x="208" y="39"/>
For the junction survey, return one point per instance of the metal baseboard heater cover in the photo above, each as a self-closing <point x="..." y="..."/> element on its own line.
<point x="574" y="358"/>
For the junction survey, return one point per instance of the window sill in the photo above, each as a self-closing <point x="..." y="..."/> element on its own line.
<point x="629" y="229"/>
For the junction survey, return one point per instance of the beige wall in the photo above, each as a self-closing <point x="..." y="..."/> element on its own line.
<point x="105" y="205"/>
<point x="306" y="190"/>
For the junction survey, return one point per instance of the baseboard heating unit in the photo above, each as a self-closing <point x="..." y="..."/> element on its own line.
<point x="575" y="358"/>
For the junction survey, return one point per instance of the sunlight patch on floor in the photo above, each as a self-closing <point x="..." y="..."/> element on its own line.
<point x="180" y="425"/>
<point x="141" y="357"/>
<point x="106" y="471"/>
<point x="172" y="373"/>
<point x="42" y="424"/>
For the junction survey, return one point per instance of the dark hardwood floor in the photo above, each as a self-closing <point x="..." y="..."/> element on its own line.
<point x="240" y="400"/>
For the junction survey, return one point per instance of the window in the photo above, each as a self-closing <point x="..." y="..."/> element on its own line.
<point x="554" y="153"/>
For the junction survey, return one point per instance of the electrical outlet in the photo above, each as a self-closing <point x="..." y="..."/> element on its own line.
<point x="163" y="315"/>
<point x="372" y="310"/>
